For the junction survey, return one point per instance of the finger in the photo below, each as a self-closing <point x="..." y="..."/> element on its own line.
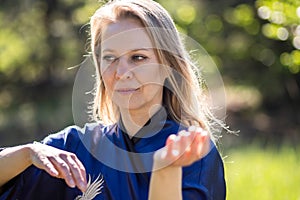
<point x="185" y="141"/>
<point x="64" y="171"/>
<point x="170" y="139"/>
<point x="77" y="171"/>
<point x="205" y="141"/>
<point x="193" y="132"/>
<point x="45" y="164"/>
<point x="193" y="141"/>
<point x="200" y="144"/>
<point x="82" y="170"/>
<point x="49" y="168"/>
<point x="173" y="147"/>
<point x="169" y="145"/>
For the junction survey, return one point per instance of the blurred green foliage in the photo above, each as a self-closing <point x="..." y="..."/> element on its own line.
<point x="39" y="41"/>
<point x="255" y="44"/>
<point x="282" y="23"/>
<point x="261" y="73"/>
<point x="257" y="173"/>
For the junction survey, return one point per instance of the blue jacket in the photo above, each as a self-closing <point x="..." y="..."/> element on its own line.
<point x="124" y="164"/>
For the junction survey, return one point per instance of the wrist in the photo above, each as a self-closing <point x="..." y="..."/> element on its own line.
<point x="168" y="179"/>
<point x="28" y="150"/>
<point x="170" y="171"/>
<point x="165" y="169"/>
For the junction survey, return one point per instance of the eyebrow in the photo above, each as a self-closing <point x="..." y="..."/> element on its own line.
<point x="131" y="50"/>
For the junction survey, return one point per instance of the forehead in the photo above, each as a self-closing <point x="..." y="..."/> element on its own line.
<point x="125" y="35"/>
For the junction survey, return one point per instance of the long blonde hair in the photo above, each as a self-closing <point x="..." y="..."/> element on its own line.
<point x="183" y="97"/>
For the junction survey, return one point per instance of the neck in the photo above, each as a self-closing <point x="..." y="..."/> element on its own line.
<point x="134" y="120"/>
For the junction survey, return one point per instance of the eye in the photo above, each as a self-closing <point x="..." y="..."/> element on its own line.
<point x="138" y="58"/>
<point x="109" y="58"/>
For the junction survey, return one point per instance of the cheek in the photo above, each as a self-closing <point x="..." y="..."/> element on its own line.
<point x="108" y="82"/>
<point x="153" y="89"/>
<point x="150" y="75"/>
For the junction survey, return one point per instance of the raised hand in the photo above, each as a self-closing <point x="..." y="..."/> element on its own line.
<point x="184" y="148"/>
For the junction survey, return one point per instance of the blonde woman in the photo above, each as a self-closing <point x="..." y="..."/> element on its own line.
<point x="151" y="138"/>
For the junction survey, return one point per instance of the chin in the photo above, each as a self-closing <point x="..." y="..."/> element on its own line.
<point x="129" y="106"/>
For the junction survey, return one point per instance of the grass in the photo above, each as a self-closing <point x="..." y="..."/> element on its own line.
<point x="256" y="173"/>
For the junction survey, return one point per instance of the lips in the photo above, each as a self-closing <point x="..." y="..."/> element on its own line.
<point x="126" y="90"/>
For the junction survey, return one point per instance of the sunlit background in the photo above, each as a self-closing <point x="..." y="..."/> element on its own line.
<point x="255" y="44"/>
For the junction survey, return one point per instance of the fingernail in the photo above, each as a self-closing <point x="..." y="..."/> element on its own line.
<point x="204" y="133"/>
<point x="82" y="186"/>
<point x="184" y="133"/>
<point x="172" y="137"/>
<point x="54" y="172"/>
<point x="72" y="184"/>
<point x="192" y="128"/>
<point x="199" y="130"/>
<point x="177" y="138"/>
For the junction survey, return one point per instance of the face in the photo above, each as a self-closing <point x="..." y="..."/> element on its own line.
<point x="130" y="70"/>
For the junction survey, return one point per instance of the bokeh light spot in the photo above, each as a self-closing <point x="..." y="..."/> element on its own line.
<point x="277" y="17"/>
<point x="186" y="13"/>
<point x="282" y="33"/>
<point x="298" y="12"/>
<point x="264" y="12"/>
<point x="213" y="23"/>
<point x="285" y="59"/>
<point x="296" y="42"/>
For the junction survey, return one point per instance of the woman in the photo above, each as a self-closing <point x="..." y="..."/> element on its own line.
<point x="152" y="137"/>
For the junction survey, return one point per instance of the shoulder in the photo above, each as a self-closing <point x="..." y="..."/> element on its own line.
<point x="71" y="136"/>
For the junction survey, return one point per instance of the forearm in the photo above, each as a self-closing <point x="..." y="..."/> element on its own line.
<point x="166" y="184"/>
<point x="13" y="161"/>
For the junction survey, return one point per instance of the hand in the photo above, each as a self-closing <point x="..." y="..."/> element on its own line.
<point x="183" y="149"/>
<point x="60" y="164"/>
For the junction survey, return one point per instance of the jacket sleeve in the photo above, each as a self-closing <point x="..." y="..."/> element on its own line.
<point x="204" y="179"/>
<point x="23" y="186"/>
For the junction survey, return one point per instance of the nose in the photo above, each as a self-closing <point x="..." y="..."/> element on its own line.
<point x="123" y="70"/>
